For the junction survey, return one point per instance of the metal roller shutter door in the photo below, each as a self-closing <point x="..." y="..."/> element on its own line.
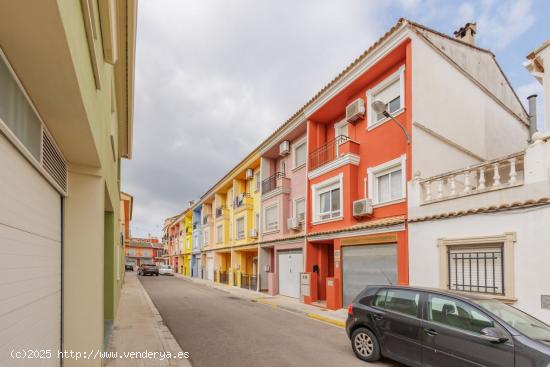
<point x="30" y="244"/>
<point x="367" y="265"/>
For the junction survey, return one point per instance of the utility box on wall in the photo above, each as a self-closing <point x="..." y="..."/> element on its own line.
<point x="308" y="287"/>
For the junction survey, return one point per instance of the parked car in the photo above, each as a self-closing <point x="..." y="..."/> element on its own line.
<point x="427" y="327"/>
<point x="129" y="267"/>
<point x="165" y="270"/>
<point x="148" y="269"/>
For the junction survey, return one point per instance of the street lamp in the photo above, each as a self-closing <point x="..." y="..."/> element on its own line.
<point x="382" y="108"/>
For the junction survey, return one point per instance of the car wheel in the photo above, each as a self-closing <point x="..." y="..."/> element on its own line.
<point x="365" y="345"/>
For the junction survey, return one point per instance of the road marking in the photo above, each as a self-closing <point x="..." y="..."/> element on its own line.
<point x="263" y="301"/>
<point x="328" y="320"/>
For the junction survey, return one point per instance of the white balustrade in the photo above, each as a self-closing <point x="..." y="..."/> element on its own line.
<point x="488" y="176"/>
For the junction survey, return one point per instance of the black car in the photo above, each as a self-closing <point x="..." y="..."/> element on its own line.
<point x="148" y="269"/>
<point x="129" y="267"/>
<point x="427" y="327"/>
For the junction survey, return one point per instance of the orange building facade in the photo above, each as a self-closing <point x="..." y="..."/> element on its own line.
<point x="364" y="163"/>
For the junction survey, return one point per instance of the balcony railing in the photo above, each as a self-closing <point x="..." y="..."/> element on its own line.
<point x="272" y="182"/>
<point x="241" y="200"/>
<point x="487" y="176"/>
<point x="327" y="152"/>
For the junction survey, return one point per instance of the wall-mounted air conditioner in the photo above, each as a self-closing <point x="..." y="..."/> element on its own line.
<point x="355" y="110"/>
<point x="284" y="148"/>
<point x="362" y="207"/>
<point x="249" y="173"/>
<point x="293" y="223"/>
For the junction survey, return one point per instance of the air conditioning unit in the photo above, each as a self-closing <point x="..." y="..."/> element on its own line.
<point x="253" y="233"/>
<point x="355" y="110"/>
<point x="362" y="207"/>
<point x="284" y="148"/>
<point x="293" y="223"/>
<point x="249" y="173"/>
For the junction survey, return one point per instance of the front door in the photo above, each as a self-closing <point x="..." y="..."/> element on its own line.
<point x="451" y="336"/>
<point x="290" y="267"/>
<point x="399" y="325"/>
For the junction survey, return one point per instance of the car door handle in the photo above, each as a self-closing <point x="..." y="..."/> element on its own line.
<point x="378" y="317"/>
<point x="430" y="332"/>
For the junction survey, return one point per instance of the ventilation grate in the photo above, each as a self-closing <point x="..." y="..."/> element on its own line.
<point x="53" y="162"/>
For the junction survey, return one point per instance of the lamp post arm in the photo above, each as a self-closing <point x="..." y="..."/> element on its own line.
<point x="387" y="114"/>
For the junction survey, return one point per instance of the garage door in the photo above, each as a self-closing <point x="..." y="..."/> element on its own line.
<point x="30" y="248"/>
<point x="367" y="265"/>
<point x="291" y="264"/>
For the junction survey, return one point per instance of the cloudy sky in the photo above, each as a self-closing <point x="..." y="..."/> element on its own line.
<point x="215" y="77"/>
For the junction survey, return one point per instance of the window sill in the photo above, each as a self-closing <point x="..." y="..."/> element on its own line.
<point x="271" y="231"/>
<point x="383" y="121"/>
<point x="502" y="298"/>
<point x="321" y="221"/>
<point x="392" y="202"/>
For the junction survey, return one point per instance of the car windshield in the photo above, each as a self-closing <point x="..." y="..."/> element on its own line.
<point x="519" y="320"/>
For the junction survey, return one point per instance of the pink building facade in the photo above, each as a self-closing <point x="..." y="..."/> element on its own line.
<point x="282" y="226"/>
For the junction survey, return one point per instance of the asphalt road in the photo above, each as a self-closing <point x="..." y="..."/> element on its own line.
<point x="219" y="329"/>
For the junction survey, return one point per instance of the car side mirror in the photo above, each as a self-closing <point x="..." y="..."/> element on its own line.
<point x="492" y="335"/>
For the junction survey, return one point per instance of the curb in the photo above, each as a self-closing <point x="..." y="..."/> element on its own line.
<point x="327" y="320"/>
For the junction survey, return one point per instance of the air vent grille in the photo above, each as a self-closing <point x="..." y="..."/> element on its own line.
<point x="53" y="162"/>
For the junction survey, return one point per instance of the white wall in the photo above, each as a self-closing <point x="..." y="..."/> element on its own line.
<point x="451" y="105"/>
<point x="532" y="250"/>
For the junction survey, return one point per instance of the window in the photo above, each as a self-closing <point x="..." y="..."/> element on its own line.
<point x="257" y="222"/>
<point x="271" y="218"/>
<point x="17" y="112"/>
<point x="386" y="182"/>
<point x="257" y="182"/>
<point x="389" y="91"/>
<point x="380" y="299"/>
<point x="327" y="199"/>
<point x="402" y="301"/>
<point x="300" y="209"/>
<point x="206" y="236"/>
<point x="282" y="166"/>
<point x="457" y="314"/>
<point x="239" y="228"/>
<point x="477" y="269"/>
<point x="300" y="153"/>
<point x="388" y="186"/>
<point x="219" y="234"/>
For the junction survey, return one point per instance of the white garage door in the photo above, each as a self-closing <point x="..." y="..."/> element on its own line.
<point x="30" y="248"/>
<point x="367" y="265"/>
<point x="291" y="264"/>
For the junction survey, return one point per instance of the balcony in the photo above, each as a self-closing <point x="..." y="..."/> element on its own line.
<point x="339" y="147"/>
<point x="275" y="184"/>
<point x="243" y="201"/>
<point x="484" y="177"/>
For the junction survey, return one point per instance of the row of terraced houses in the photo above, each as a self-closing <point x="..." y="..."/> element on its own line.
<point x="418" y="164"/>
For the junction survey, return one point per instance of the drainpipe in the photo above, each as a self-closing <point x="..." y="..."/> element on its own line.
<point x="532" y="116"/>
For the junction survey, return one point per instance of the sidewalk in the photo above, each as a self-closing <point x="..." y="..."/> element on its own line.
<point x="139" y="328"/>
<point x="337" y="317"/>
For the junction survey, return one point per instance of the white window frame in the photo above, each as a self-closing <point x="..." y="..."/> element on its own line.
<point x="237" y="236"/>
<point x="373" y="173"/>
<point x="399" y="75"/>
<point x="265" y="228"/>
<point x="322" y="187"/>
<point x="295" y="146"/>
<point x="294" y="213"/>
<point x="507" y="240"/>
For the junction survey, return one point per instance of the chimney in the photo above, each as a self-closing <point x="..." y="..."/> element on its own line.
<point x="467" y="33"/>
<point x="532" y="116"/>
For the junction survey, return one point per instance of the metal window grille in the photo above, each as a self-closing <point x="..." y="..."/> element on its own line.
<point x="476" y="270"/>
